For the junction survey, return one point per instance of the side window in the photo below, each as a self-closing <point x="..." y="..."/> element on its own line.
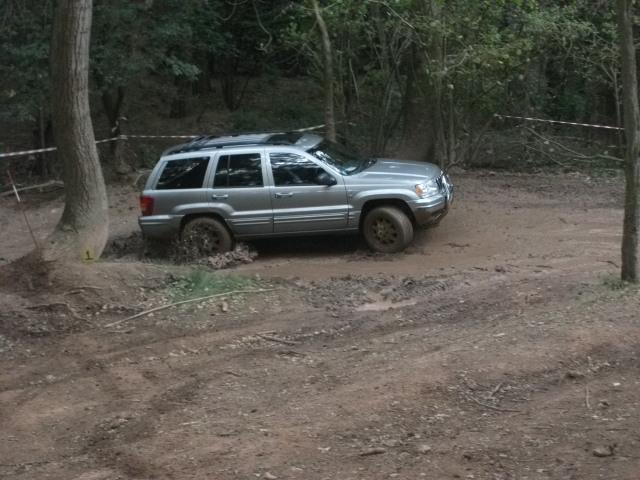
<point x="182" y="174"/>
<point x="292" y="169"/>
<point x="244" y="170"/>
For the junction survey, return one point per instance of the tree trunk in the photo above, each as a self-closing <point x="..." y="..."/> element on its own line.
<point x="178" y="108"/>
<point x="42" y="166"/>
<point x="327" y="60"/>
<point x="435" y="61"/>
<point x="112" y="103"/>
<point x="632" y="134"/>
<point x="83" y="229"/>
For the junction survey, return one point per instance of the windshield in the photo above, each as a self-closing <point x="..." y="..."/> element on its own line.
<point x="338" y="156"/>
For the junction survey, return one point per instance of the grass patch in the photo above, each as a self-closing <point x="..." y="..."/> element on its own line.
<point x="613" y="282"/>
<point x="200" y="283"/>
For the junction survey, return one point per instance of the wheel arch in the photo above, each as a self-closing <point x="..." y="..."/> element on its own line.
<point x="386" y="202"/>
<point x="192" y="216"/>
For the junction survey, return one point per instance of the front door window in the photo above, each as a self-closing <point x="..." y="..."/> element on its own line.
<point x="290" y="169"/>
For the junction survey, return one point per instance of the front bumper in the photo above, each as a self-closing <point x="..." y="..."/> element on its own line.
<point x="429" y="211"/>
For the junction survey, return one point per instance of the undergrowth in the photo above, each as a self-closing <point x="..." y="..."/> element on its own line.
<point x="201" y="282"/>
<point x="613" y="282"/>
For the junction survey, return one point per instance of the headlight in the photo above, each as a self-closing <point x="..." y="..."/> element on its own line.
<point x="446" y="181"/>
<point x="427" y="189"/>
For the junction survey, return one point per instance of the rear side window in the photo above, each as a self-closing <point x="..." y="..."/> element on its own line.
<point x="243" y="170"/>
<point x="182" y="174"/>
<point x="293" y="169"/>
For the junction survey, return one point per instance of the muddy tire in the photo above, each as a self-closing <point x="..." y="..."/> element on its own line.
<point x="387" y="230"/>
<point x="204" y="236"/>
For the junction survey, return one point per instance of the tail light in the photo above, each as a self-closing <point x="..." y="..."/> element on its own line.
<point x="146" y="205"/>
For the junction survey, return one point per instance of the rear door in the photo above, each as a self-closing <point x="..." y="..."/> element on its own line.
<point x="179" y="184"/>
<point x="237" y="188"/>
<point x="300" y="203"/>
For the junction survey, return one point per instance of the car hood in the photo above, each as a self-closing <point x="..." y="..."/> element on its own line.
<point x="404" y="171"/>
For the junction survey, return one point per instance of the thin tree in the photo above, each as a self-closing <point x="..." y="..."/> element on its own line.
<point x="632" y="134"/>
<point x="327" y="63"/>
<point x="83" y="229"/>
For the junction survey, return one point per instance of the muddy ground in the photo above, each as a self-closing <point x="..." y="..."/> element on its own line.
<point x="500" y="346"/>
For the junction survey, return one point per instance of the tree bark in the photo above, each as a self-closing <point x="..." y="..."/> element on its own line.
<point x="434" y="57"/>
<point x="42" y="166"/>
<point x="632" y="133"/>
<point x="83" y="229"/>
<point x="327" y="57"/>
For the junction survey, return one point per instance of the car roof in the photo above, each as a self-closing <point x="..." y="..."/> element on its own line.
<point x="208" y="142"/>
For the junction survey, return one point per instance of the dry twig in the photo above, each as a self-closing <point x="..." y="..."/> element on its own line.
<point x="491" y="407"/>
<point x="276" y="339"/>
<point x="191" y="300"/>
<point x="80" y="288"/>
<point x="497" y="389"/>
<point x="586" y="397"/>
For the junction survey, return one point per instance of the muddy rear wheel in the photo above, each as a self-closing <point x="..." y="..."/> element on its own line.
<point x="387" y="229"/>
<point x="205" y="236"/>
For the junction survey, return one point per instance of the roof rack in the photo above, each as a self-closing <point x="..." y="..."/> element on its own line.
<point x="235" y="140"/>
<point x="286" y="138"/>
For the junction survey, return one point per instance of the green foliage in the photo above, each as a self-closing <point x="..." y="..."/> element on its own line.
<point x="490" y="48"/>
<point x="200" y="283"/>
<point x="248" y="121"/>
<point x="276" y="115"/>
<point x="24" y="59"/>
<point x="118" y="59"/>
<point x="182" y="34"/>
<point x="613" y="282"/>
<point x="460" y="61"/>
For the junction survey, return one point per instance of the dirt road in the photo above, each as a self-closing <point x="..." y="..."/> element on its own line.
<point x="498" y="347"/>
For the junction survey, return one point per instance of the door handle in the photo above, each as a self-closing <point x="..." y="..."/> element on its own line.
<point x="220" y="196"/>
<point x="284" y="195"/>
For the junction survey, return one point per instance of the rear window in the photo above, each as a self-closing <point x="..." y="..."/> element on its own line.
<point x="182" y="174"/>
<point x="242" y="170"/>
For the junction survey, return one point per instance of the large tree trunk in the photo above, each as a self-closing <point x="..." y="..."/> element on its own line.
<point x="632" y="134"/>
<point x="434" y="57"/>
<point x="83" y="229"/>
<point x="327" y="60"/>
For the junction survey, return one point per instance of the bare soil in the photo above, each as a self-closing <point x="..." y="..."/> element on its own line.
<point x="499" y="346"/>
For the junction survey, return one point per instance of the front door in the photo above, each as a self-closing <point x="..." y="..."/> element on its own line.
<point x="240" y="193"/>
<point x="301" y="203"/>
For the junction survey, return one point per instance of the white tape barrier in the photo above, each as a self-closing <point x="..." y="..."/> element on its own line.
<point x="27" y="152"/>
<point x="112" y="139"/>
<point x="127" y="137"/>
<point x="542" y="120"/>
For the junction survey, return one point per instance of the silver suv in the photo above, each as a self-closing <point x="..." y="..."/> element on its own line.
<point x="214" y="190"/>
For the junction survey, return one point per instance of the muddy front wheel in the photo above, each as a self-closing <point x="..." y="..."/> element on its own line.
<point x="387" y="230"/>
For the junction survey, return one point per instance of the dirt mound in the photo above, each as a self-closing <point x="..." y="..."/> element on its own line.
<point x="239" y="255"/>
<point x="355" y="291"/>
<point x="29" y="272"/>
<point x="132" y="245"/>
<point x="135" y="247"/>
<point x="41" y="299"/>
<point x="21" y="319"/>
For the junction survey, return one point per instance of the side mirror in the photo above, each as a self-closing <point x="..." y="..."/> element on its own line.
<point x="325" y="179"/>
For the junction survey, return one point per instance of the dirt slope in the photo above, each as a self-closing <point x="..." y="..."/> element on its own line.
<point x="498" y="347"/>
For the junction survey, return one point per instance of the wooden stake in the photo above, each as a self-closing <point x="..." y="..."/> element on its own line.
<point x="22" y="210"/>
